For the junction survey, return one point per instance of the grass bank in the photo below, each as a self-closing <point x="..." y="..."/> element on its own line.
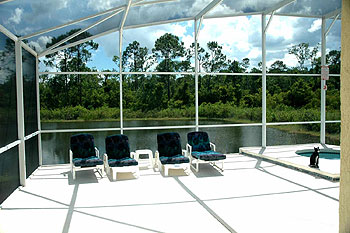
<point x="218" y="111"/>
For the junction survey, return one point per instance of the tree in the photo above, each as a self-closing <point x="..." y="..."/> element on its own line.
<point x="71" y="59"/>
<point x="214" y="60"/>
<point x="136" y="59"/>
<point x="333" y="59"/>
<point x="313" y="56"/>
<point x="167" y="48"/>
<point x="190" y="53"/>
<point x="302" y="53"/>
<point x="278" y="67"/>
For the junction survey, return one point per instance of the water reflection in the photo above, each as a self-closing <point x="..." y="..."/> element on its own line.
<point x="227" y="140"/>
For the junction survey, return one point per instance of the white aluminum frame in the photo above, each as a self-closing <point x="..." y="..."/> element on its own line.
<point x="189" y="73"/>
<point x="9" y="146"/>
<point x="20" y="113"/>
<point x="181" y="127"/>
<point x="263" y="58"/>
<point x="38" y="111"/>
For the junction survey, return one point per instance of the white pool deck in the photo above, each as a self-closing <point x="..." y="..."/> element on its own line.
<point x="286" y="156"/>
<point x="250" y="196"/>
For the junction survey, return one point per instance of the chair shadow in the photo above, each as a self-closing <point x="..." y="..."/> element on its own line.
<point x="121" y="176"/>
<point x="83" y="177"/>
<point x="206" y="170"/>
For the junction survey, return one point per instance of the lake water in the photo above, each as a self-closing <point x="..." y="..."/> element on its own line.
<point x="227" y="140"/>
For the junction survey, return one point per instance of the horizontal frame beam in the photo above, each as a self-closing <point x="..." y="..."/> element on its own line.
<point x="181" y="127"/>
<point x="9" y="146"/>
<point x="31" y="135"/>
<point x="186" y="73"/>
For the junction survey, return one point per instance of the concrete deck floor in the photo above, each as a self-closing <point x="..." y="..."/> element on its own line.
<point x="287" y="153"/>
<point x="250" y="196"/>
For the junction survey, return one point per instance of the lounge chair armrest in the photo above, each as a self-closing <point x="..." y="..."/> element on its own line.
<point x="189" y="148"/>
<point x="97" y="152"/>
<point x="184" y="153"/>
<point x="133" y="155"/>
<point x="156" y="155"/>
<point x="212" y="146"/>
<point x="70" y="156"/>
<point x="105" y="158"/>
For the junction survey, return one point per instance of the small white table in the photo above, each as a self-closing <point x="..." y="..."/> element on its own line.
<point x="144" y="162"/>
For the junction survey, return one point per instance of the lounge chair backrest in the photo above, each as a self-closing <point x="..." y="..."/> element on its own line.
<point x="199" y="141"/>
<point x="117" y="146"/>
<point x="82" y="145"/>
<point x="169" y="144"/>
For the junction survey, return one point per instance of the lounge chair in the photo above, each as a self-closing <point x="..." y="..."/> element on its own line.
<point x="118" y="157"/>
<point x="201" y="150"/>
<point x="170" y="154"/>
<point x="83" y="155"/>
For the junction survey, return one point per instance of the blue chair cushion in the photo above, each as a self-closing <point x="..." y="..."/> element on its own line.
<point x="169" y="144"/>
<point x="177" y="159"/>
<point x="87" y="162"/>
<point x="208" y="155"/>
<point x="122" y="162"/>
<point x="117" y="146"/>
<point x="82" y="145"/>
<point x="199" y="141"/>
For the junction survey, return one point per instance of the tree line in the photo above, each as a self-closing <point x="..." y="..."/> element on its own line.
<point x="154" y="93"/>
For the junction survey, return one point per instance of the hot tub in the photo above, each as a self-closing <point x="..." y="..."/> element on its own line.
<point x="324" y="153"/>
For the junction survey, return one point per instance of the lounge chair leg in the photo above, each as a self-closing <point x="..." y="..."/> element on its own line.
<point x="197" y="167"/>
<point x="166" y="172"/>
<point x="114" y="175"/>
<point x="73" y="173"/>
<point x="137" y="173"/>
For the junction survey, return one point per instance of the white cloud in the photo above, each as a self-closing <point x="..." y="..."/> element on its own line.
<point x="233" y="34"/>
<point x="316" y="25"/>
<point x="254" y="53"/>
<point x="101" y="5"/>
<point x="16" y="16"/>
<point x="40" y="44"/>
<point x="283" y="27"/>
<point x="290" y="60"/>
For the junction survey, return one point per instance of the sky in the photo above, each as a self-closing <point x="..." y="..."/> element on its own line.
<point x="240" y="37"/>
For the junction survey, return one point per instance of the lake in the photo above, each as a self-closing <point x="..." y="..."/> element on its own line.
<point x="228" y="140"/>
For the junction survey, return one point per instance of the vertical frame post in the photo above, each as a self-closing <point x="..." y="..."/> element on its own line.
<point x="263" y="57"/>
<point x="38" y="112"/>
<point x="121" y="79"/>
<point x="323" y="84"/>
<point x="20" y="113"/>
<point x="196" y="70"/>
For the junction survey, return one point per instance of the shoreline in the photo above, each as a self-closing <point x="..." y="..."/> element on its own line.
<point x="296" y="129"/>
